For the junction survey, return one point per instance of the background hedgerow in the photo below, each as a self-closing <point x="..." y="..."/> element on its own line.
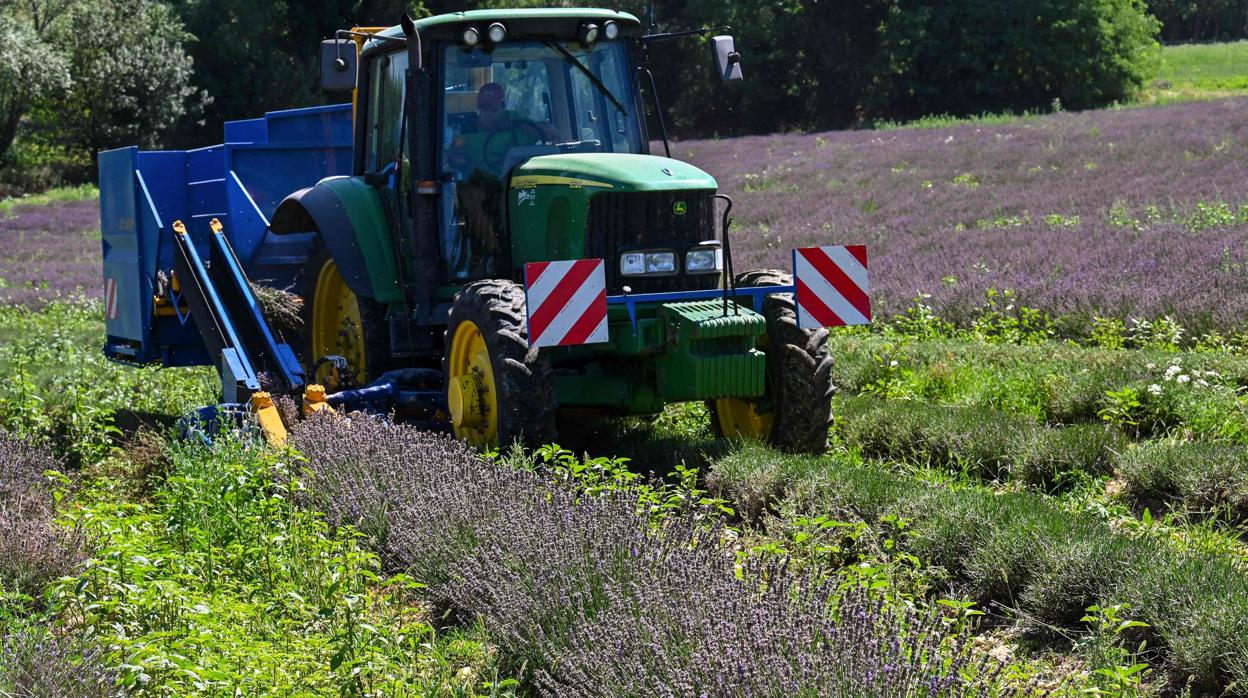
<point x="558" y="575"/>
<point x="1024" y="552"/>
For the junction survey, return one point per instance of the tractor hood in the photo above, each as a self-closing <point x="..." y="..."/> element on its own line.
<point x="618" y="172"/>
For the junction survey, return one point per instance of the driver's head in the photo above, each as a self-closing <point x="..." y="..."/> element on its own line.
<point x="491" y="105"/>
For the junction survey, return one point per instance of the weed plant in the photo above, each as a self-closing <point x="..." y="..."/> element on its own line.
<point x="219" y="586"/>
<point x="60" y="390"/>
<point x="35" y="663"/>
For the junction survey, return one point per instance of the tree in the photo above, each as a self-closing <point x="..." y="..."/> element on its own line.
<point x="29" y="67"/>
<point x="974" y="56"/>
<point x="132" y="74"/>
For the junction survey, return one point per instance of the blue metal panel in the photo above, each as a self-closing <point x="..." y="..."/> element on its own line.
<point x="120" y="236"/>
<point x="246" y="131"/>
<point x="320" y="124"/>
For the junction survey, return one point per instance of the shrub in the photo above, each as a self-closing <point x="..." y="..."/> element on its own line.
<point x="37" y="664"/>
<point x="1204" y="480"/>
<point x="560" y="575"/>
<point x="973" y="57"/>
<point x="1024" y="551"/>
<point x="33" y="550"/>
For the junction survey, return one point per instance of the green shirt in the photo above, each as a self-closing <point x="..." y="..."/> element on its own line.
<point x="499" y="142"/>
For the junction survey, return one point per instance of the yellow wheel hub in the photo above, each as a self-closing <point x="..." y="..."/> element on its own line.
<point x="470" y="392"/>
<point x="336" y="326"/>
<point x="740" y="419"/>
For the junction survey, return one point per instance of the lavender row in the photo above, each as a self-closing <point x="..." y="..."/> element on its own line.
<point x="34" y="551"/>
<point x="50" y="251"/>
<point x="593" y="601"/>
<point x="1131" y="213"/>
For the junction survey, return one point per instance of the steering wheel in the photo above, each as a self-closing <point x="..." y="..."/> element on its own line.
<point x="494" y="160"/>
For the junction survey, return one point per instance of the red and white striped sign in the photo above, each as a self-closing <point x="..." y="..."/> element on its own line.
<point x="566" y="301"/>
<point x="110" y="297"/>
<point x="832" y="288"/>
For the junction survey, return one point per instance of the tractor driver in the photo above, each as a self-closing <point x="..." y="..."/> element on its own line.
<point x="481" y="154"/>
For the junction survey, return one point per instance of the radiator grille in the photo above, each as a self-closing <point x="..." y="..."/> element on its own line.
<point x="620" y="221"/>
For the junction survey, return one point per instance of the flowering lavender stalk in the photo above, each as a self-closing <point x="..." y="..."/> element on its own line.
<point x="596" y="603"/>
<point x="41" y="665"/>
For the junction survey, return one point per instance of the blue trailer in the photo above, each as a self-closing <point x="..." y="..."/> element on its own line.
<point x="206" y="314"/>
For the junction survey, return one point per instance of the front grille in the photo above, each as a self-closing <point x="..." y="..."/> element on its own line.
<point x="627" y="221"/>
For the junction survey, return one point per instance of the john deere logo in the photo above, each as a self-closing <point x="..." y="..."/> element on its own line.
<point x="678" y="208"/>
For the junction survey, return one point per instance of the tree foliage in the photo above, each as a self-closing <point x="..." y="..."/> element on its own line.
<point x="1201" y="20"/>
<point x="29" y="67"/>
<point x="132" y="75"/>
<point x="974" y="56"/>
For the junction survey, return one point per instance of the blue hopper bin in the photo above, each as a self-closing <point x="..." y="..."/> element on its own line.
<point x="239" y="182"/>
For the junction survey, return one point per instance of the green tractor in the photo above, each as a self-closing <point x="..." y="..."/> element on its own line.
<point x="502" y="179"/>
<point x="489" y="141"/>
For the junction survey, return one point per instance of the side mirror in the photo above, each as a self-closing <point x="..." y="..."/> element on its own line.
<point x="338" y="64"/>
<point x="727" y="60"/>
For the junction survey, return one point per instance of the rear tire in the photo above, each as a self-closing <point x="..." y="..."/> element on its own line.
<point x="336" y="321"/>
<point x="799" y="380"/>
<point x="499" y="389"/>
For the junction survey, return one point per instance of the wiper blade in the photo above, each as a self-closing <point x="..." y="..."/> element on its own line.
<point x="593" y="79"/>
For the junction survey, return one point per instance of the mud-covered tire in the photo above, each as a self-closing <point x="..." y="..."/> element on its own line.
<point x="374" y="333"/>
<point x="799" y="372"/>
<point x="522" y="376"/>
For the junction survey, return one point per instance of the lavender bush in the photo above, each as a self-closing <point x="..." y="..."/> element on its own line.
<point x="50" y="251"/>
<point x="578" y="588"/>
<point x="41" y="665"/>
<point x="33" y="550"/>
<point x="1139" y="212"/>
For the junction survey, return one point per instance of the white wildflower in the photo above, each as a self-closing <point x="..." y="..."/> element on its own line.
<point x="1154" y="389"/>
<point x="1172" y="371"/>
<point x="1150" y="366"/>
<point x="1203" y="383"/>
<point x="892" y="363"/>
<point x="1182" y="378"/>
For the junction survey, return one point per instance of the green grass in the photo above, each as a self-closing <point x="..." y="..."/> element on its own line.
<point x="60" y="389"/>
<point x="1210" y="67"/>
<point x="60" y="194"/>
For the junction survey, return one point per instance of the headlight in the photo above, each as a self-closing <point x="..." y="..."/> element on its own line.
<point x="496" y="32"/>
<point x="661" y="263"/>
<point x="610" y="30"/>
<point x="648" y="263"/>
<point x="471" y="36"/>
<point x="705" y="260"/>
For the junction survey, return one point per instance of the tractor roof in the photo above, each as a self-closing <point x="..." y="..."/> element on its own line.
<point x="447" y="25"/>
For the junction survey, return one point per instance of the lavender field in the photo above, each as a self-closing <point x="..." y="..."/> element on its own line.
<point x="49" y="251"/>
<point x="1131" y="213"/>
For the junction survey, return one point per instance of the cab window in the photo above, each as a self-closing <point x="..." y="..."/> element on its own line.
<point x="384" y="121"/>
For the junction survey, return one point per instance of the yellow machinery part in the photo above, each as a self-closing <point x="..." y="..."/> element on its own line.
<point x="314" y="400"/>
<point x="270" y="421"/>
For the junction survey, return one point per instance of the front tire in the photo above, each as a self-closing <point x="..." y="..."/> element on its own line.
<point x="499" y="390"/>
<point x="796" y="409"/>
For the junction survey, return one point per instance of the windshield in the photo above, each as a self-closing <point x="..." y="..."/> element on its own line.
<point x="578" y="99"/>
